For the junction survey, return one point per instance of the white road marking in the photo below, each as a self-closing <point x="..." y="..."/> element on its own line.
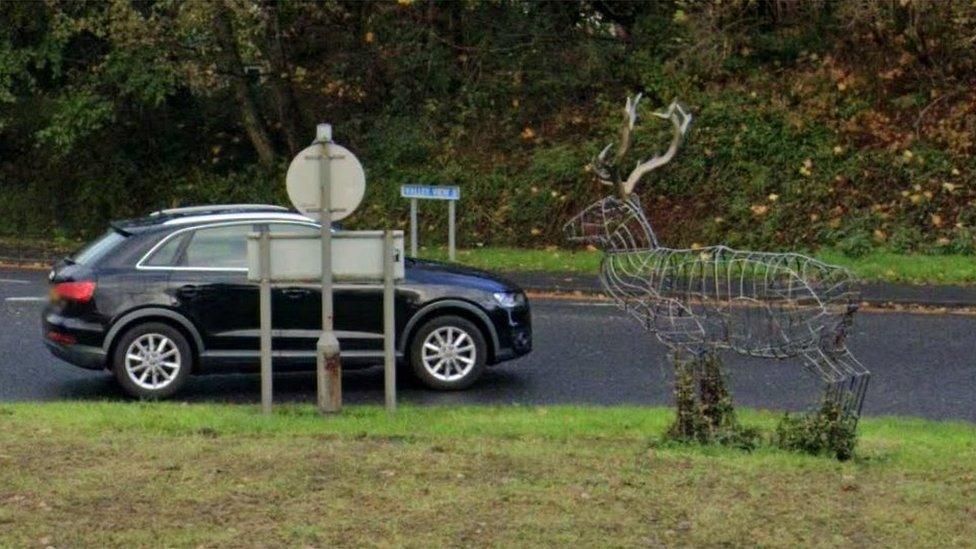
<point x="14" y="281"/>
<point x="26" y="298"/>
<point x="568" y="303"/>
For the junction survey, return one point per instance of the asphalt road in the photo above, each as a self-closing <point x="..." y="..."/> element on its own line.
<point x="585" y="353"/>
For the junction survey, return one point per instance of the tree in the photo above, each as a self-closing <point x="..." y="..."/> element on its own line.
<point x="280" y="76"/>
<point x="229" y="60"/>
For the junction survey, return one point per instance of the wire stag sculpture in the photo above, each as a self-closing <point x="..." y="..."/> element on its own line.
<point x="702" y="301"/>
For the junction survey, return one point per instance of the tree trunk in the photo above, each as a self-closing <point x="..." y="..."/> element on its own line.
<point x="288" y="112"/>
<point x="230" y="60"/>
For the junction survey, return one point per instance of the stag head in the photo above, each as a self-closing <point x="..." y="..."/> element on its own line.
<point x="614" y="222"/>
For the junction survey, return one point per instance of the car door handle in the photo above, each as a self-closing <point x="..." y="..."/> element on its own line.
<point x="189" y="292"/>
<point x="296" y="293"/>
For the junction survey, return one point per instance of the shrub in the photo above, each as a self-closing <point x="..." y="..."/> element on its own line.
<point x="705" y="414"/>
<point x="826" y="432"/>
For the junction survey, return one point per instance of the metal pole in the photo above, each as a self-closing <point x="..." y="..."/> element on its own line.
<point x="389" y="332"/>
<point x="264" y="251"/>
<point x="328" y="365"/>
<point x="450" y="229"/>
<point x="413" y="227"/>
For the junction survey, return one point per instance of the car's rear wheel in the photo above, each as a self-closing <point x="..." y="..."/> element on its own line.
<point x="448" y="353"/>
<point x="152" y="361"/>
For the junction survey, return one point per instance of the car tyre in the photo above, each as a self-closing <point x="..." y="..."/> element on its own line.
<point x="152" y="361"/>
<point x="448" y="353"/>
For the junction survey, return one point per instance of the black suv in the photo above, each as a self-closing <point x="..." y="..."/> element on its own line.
<point x="162" y="297"/>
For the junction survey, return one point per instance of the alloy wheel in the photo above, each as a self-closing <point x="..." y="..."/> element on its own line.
<point x="152" y="361"/>
<point x="449" y="353"/>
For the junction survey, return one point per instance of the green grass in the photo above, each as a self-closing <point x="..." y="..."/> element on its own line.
<point x="941" y="269"/>
<point x="126" y="474"/>
<point x="522" y="259"/>
<point x="876" y="266"/>
<point x="37" y="247"/>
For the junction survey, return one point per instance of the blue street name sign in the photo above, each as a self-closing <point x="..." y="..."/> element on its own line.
<point x="432" y="192"/>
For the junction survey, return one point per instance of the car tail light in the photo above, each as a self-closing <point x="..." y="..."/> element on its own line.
<point x="79" y="292"/>
<point x="63" y="339"/>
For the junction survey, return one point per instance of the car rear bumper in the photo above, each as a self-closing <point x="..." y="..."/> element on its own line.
<point x="85" y="356"/>
<point x="73" y="340"/>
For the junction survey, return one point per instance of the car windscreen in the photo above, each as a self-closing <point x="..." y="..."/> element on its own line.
<point x="95" y="250"/>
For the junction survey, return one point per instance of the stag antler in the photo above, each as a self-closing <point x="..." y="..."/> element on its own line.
<point x="609" y="173"/>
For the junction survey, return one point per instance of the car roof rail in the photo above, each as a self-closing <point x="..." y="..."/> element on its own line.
<point x="219" y="208"/>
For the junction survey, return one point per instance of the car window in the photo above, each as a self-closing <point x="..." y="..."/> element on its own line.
<point x="219" y="247"/>
<point x="98" y="248"/>
<point x="165" y="256"/>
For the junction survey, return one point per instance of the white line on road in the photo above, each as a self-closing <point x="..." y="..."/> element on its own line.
<point x="26" y="298"/>
<point x="567" y="303"/>
<point x="14" y="281"/>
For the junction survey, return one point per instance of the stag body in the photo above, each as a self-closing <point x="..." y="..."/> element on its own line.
<point x="770" y="305"/>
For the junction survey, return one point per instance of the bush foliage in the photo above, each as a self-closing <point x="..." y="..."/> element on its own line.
<point x="826" y="432"/>
<point x="848" y="124"/>
<point x="705" y="415"/>
<point x="703" y="405"/>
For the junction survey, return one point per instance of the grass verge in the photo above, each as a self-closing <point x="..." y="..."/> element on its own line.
<point x="875" y="266"/>
<point x="122" y="474"/>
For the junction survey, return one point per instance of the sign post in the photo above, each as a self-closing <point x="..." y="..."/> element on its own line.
<point x="432" y="192"/>
<point x="413" y="227"/>
<point x="450" y="229"/>
<point x="389" y="329"/>
<point x="326" y="182"/>
<point x="357" y="257"/>
<point x="264" y="253"/>
<point x="328" y="366"/>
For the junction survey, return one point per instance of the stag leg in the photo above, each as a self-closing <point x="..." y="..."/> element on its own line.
<point x="687" y="425"/>
<point x="846" y="379"/>
<point x="855" y="384"/>
<point x="716" y="403"/>
<point x="703" y="403"/>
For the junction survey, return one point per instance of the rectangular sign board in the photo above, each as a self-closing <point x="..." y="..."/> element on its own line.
<point x="357" y="256"/>
<point x="431" y="192"/>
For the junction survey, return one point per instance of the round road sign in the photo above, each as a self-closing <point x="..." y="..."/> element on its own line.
<point x="346" y="179"/>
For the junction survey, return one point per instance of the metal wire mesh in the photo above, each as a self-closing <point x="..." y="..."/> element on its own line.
<point x="760" y="304"/>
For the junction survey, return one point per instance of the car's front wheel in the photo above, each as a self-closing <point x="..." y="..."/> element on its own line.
<point x="448" y="353"/>
<point x="152" y="361"/>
